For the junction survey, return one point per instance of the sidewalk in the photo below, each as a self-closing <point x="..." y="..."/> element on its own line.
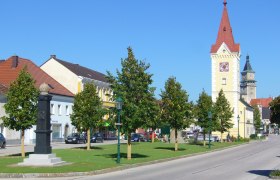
<point x="16" y="148"/>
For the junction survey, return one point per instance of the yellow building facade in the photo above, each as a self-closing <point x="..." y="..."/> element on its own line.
<point x="74" y="77"/>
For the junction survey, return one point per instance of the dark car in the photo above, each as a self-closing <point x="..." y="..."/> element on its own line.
<point x="137" y="137"/>
<point x="97" y="137"/>
<point x="2" y="141"/>
<point x="75" y="138"/>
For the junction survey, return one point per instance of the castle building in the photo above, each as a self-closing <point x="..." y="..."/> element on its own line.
<point x="225" y="68"/>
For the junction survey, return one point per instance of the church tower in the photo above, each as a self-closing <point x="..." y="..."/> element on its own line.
<point x="225" y="64"/>
<point x="248" y="83"/>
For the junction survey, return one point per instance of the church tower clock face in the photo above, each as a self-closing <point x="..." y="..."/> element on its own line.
<point x="224" y="67"/>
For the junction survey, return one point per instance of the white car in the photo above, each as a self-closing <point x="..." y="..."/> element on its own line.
<point x="212" y="138"/>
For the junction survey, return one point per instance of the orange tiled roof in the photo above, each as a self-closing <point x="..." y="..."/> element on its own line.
<point x="225" y="34"/>
<point x="261" y="101"/>
<point x="10" y="69"/>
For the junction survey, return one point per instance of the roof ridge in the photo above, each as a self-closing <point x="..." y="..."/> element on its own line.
<point x="82" y="70"/>
<point x="79" y="66"/>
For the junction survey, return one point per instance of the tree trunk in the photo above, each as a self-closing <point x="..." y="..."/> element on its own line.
<point x="204" y="141"/>
<point x="221" y="137"/>
<point x="88" y="139"/>
<point x="22" y="144"/>
<point x="196" y="137"/>
<point x="153" y="138"/>
<point x="176" y="140"/>
<point x="129" y="146"/>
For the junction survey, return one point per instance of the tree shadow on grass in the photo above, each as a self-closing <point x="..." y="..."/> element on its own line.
<point x="92" y="147"/>
<point x="261" y="172"/>
<point x="124" y="155"/>
<point x="170" y="148"/>
<point x="19" y="154"/>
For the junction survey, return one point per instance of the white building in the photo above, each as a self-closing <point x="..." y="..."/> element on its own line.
<point x="61" y="103"/>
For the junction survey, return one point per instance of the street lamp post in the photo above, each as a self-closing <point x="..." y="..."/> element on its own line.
<point x="210" y="125"/>
<point x="238" y="118"/>
<point x="119" y="103"/>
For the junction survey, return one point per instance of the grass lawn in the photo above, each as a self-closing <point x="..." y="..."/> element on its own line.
<point x="102" y="157"/>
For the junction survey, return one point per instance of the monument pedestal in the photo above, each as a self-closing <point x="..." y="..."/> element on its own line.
<point x="42" y="160"/>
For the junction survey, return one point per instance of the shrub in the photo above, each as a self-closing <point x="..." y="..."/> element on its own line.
<point x="275" y="173"/>
<point x="253" y="136"/>
<point x="233" y="139"/>
<point x="244" y="139"/>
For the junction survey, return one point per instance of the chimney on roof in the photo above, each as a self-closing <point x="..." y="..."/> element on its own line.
<point x="53" y="56"/>
<point x="14" y="61"/>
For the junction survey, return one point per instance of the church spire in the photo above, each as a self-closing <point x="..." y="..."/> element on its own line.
<point x="225" y="34"/>
<point x="248" y="67"/>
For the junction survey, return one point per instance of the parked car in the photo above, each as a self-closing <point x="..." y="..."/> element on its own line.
<point x="97" y="137"/>
<point x="137" y="137"/>
<point x="75" y="138"/>
<point x="148" y="135"/>
<point x="151" y="135"/>
<point x="2" y="141"/>
<point x="189" y="135"/>
<point x="212" y="138"/>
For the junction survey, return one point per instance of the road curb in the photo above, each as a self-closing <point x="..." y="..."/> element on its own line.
<point x="103" y="171"/>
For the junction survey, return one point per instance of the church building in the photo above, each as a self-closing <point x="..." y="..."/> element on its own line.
<point x="225" y="67"/>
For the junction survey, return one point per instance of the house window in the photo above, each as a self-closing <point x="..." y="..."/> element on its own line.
<point x="67" y="110"/>
<point x="224" y="81"/>
<point x="59" y="110"/>
<point x="52" y="109"/>
<point x="56" y="131"/>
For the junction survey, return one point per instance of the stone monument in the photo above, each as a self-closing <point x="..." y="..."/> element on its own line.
<point x="43" y="151"/>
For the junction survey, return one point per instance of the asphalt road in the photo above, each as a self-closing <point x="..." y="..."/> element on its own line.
<point x="253" y="161"/>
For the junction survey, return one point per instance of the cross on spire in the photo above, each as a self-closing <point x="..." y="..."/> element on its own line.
<point x="225" y="2"/>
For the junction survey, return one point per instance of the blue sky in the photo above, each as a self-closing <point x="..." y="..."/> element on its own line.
<point x="174" y="36"/>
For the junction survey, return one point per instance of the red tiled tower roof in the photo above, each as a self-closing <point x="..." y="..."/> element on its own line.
<point x="9" y="71"/>
<point x="225" y="34"/>
<point x="261" y="101"/>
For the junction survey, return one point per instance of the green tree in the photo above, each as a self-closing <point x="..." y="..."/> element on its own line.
<point x="133" y="85"/>
<point x="222" y="114"/>
<point x="176" y="110"/>
<point x="202" y="108"/>
<point x="21" y="106"/>
<point x="152" y="119"/>
<point x="87" y="110"/>
<point x="275" y="110"/>
<point x="257" y="119"/>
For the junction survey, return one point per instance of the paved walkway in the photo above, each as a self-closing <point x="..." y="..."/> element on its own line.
<point x="16" y="149"/>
